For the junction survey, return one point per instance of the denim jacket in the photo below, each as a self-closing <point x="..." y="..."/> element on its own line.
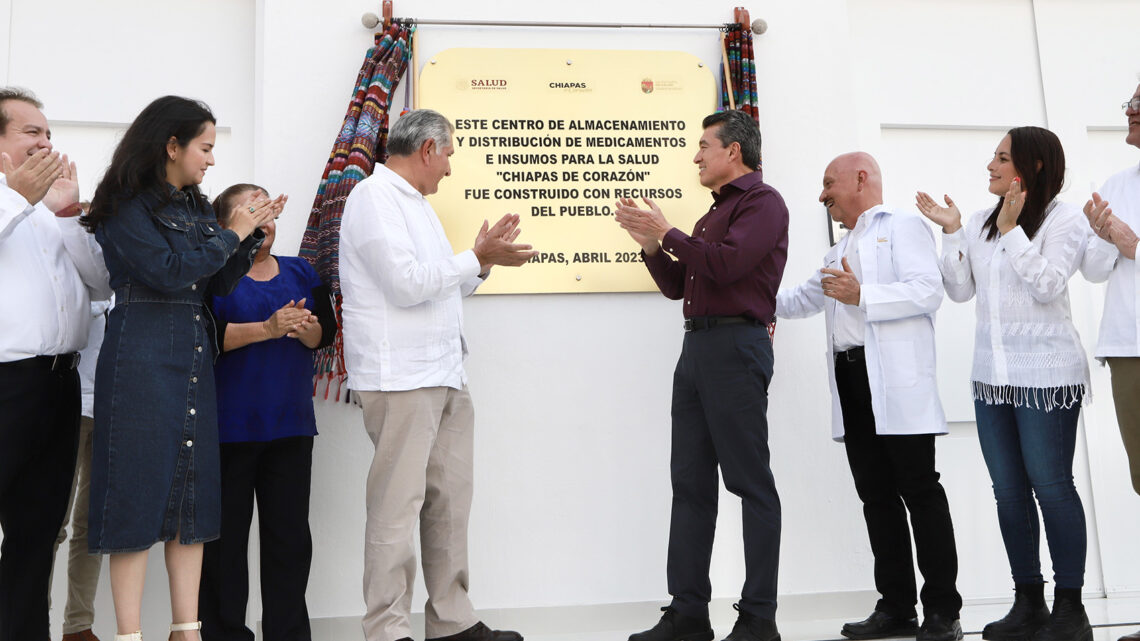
<point x="174" y="245"/>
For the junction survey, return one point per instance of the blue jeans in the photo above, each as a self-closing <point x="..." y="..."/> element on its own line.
<point x="1030" y="451"/>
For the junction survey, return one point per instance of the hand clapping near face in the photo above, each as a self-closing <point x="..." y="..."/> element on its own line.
<point x="35" y="177"/>
<point x="248" y="216"/>
<point x="1011" y="206"/>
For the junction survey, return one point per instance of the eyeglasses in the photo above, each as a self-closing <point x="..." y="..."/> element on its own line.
<point x="1133" y="104"/>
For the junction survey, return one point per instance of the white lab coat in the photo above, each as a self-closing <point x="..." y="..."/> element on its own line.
<point x="900" y="291"/>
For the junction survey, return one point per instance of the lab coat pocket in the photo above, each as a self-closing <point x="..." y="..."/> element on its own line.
<point x="900" y="363"/>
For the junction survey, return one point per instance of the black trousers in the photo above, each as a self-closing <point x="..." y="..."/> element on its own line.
<point x="279" y="474"/>
<point x="39" y="438"/>
<point x="894" y="474"/>
<point x="720" y="398"/>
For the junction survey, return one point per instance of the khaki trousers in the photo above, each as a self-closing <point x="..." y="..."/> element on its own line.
<point x="82" y="568"/>
<point x="422" y="471"/>
<point x="1126" y="393"/>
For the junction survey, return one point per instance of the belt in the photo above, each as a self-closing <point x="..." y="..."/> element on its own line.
<point x="56" y="363"/>
<point x="137" y="293"/>
<point x="853" y="355"/>
<point x="709" y="322"/>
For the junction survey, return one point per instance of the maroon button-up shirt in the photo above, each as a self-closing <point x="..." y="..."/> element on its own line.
<point x="733" y="263"/>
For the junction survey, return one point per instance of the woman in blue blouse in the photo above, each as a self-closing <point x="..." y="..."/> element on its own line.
<point x="154" y="470"/>
<point x="268" y="328"/>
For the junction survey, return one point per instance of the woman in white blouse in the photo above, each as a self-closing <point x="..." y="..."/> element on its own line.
<point x="1030" y="372"/>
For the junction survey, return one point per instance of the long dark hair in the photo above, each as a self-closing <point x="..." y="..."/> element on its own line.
<point x="139" y="162"/>
<point x="1030" y="147"/>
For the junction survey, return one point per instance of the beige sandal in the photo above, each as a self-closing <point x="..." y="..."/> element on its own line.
<point x="134" y="636"/>
<point x="182" y="627"/>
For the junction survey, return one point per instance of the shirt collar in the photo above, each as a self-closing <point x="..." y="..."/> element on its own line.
<point x="743" y="183"/>
<point x="397" y="181"/>
<point x="864" y="218"/>
<point x="184" y="194"/>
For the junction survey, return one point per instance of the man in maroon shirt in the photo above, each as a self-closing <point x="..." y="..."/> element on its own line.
<point x="727" y="272"/>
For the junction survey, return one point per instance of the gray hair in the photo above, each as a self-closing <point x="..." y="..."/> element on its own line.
<point x="415" y="128"/>
<point x="15" y="93"/>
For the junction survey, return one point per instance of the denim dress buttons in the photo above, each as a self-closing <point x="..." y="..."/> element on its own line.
<point x="155" y="470"/>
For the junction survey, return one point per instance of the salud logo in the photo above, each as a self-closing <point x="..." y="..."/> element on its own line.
<point x="647" y="85"/>
<point x="488" y="84"/>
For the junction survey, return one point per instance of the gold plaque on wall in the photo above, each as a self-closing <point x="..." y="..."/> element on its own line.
<point x="557" y="136"/>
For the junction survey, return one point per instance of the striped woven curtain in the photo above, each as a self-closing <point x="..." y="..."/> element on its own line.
<point x="740" y="76"/>
<point x="361" y="143"/>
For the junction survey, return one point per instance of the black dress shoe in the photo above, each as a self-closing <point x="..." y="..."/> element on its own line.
<point x="480" y="632"/>
<point x="880" y="625"/>
<point x="750" y="627"/>
<point x="675" y="626"/>
<point x="936" y="627"/>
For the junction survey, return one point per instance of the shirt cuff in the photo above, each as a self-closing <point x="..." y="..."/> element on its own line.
<point x="11" y="200"/>
<point x="1098" y="246"/>
<point x="673" y="238"/>
<point x="952" y="243"/>
<point x="468" y="264"/>
<point x="1015" y="241"/>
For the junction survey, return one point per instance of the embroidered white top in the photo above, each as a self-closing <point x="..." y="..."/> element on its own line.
<point x="403" y="287"/>
<point x="1120" y="325"/>
<point x="1025" y="336"/>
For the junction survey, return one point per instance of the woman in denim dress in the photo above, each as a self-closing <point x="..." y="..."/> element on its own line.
<point x="155" y="474"/>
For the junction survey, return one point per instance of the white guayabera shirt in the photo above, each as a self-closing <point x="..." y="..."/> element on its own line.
<point x="1025" y="344"/>
<point x="1120" y="325"/>
<point x="403" y="287"/>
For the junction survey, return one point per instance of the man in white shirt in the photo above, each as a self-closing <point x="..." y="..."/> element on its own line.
<point x="404" y="351"/>
<point x="1114" y="215"/>
<point x="879" y="290"/>
<point x="49" y="269"/>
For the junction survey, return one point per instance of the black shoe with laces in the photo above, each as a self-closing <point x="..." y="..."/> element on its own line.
<point x="675" y="626"/>
<point x="750" y="627"/>
<point x="1027" y="615"/>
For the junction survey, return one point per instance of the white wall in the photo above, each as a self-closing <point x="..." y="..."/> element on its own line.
<point x="572" y="392"/>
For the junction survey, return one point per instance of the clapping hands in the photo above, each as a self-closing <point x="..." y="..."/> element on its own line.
<point x="495" y="245"/>
<point x="289" y="320"/>
<point x="948" y="217"/>
<point x="46" y="176"/>
<point x="1110" y="228"/>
